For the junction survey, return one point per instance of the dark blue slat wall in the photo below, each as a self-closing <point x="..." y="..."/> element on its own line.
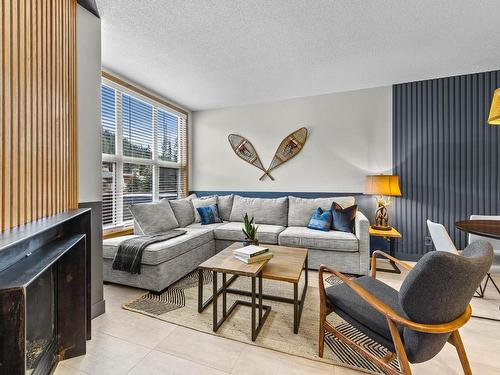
<point x="447" y="156"/>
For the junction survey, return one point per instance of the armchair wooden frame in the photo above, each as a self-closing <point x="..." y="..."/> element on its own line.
<point x="393" y="318"/>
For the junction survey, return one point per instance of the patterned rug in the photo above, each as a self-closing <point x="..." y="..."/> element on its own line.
<point x="179" y="305"/>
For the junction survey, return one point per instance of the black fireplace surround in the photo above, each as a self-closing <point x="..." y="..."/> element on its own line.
<point x="44" y="293"/>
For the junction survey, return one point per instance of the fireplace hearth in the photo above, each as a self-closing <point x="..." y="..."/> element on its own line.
<point x="44" y="293"/>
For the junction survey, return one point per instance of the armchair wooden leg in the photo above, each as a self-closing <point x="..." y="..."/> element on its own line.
<point x="321" y="343"/>
<point x="400" y="350"/>
<point x="322" y="313"/>
<point x="456" y="341"/>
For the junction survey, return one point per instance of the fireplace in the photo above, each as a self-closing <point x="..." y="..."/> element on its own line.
<point x="44" y="291"/>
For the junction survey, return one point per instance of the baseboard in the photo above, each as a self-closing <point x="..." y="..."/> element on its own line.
<point x="97" y="309"/>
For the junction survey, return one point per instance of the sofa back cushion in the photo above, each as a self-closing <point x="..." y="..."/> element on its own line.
<point x="225" y="203"/>
<point x="300" y="210"/>
<point x="264" y="211"/>
<point x="154" y="218"/>
<point x="183" y="210"/>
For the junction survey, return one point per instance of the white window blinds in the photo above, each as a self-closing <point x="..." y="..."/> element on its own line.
<point x="144" y="145"/>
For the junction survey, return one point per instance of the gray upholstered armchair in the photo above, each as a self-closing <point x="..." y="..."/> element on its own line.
<point x="415" y="323"/>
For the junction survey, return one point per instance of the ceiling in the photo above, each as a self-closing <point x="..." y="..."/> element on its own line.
<point x="209" y="54"/>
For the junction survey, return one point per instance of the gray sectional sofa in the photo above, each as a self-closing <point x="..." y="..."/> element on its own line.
<point x="281" y="221"/>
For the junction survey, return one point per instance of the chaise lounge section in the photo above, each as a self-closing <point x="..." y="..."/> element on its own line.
<point x="280" y="221"/>
<point x="163" y="263"/>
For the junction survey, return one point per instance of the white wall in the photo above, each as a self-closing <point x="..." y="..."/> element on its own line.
<point x="349" y="137"/>
<point x="89" y="105"/>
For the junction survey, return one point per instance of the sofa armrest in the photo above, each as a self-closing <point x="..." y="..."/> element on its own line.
<point x="361" y="225"/>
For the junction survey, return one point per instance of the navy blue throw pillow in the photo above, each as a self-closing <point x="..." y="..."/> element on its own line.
<point x="321" y="220"/>
<point x="209" y="214"/>
<point x="343" y="218"/>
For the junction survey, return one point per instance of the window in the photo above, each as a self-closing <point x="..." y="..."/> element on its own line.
<point x="144" y="145"/>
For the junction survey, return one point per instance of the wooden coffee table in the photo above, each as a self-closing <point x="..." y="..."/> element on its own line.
<point x="286" y="266"/>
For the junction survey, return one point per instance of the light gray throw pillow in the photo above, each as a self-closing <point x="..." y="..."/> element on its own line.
<point x="225" y="203"/>
<point x="264" y="211"/>
<point x="154" y="218"/>
<point x="202" y="202"/>
<point x="300" y="210"/>
<point x="183" y="210"/>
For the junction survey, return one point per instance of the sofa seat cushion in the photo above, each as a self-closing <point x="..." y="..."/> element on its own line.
<point x="357" y="311"/>
<point x="233" y="232"/>
<point x="163" y="251"/>
<point x="315" y="239"/>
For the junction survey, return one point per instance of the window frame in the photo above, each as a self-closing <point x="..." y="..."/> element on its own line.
<point x="119" y="159"/>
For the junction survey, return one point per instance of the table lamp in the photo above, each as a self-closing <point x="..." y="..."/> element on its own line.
<point x="382" y="186"/>
<point x="494" y="116"/>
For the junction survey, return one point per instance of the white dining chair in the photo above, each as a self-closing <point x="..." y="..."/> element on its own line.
<point x="440" y="237"/>
<point x="495" y="266"/>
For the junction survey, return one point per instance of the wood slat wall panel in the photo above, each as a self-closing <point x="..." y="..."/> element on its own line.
<point x="38" y="156"/>
<point x="446" y="156"/>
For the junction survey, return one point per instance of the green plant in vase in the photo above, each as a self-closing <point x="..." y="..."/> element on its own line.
<point x="250" y="231"/>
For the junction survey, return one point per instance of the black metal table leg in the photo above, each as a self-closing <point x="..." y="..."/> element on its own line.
<point x="207" y="303"/>
<point x="214" y="302"/>
<point x="305" y="270"/>
<point x="200" y="290"/>
<point x="295" y="307"/>
<point x="260" y="298"/>
<point x="392" y="252"/>
<point x="217" y="323"/>
<point x="224" y="298"/>
<point x="298" y="304"/>
<point x="253" y="309"/>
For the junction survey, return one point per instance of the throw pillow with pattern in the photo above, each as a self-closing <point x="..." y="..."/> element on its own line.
<point x="209" y="214"/>
<point x="321" y="220"/>
<point x="202" y="202"/>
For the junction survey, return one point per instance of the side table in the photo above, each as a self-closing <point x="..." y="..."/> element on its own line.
<point x="390" y="236"/>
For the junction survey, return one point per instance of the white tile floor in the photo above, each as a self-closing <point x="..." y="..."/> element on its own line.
<point x="129" y="343"/>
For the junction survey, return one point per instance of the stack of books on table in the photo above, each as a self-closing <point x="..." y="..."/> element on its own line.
<point x="252" y="254"/>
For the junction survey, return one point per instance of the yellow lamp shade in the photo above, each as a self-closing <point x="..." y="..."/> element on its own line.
<point x="494" y="116"/>
<point x="382" y="185"/>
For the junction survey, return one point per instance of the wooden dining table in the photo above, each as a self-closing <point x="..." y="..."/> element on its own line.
<point x="485" y="228"/>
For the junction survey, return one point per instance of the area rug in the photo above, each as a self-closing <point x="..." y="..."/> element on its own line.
<point x="179" y="305"/>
